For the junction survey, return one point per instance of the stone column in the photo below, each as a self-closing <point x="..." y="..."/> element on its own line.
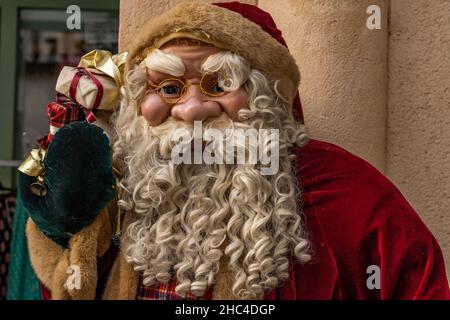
<point x="343" y="67"/>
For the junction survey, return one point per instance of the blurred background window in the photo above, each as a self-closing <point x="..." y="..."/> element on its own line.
<point x="35" y="43"/>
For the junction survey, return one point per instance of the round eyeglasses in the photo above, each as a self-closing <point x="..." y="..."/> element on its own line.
<point x="173" y="89"/>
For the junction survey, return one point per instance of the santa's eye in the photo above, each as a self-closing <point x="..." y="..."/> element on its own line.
<point x="210" y="85"/>
<point x="216" y="89"/>
<point x="171" y="89"/>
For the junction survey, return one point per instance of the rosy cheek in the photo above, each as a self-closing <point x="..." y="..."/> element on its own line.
<point x="233" y="102"/>
<point x="154" y="110"/>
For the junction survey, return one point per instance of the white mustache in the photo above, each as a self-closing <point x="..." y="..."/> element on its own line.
<point x="218" y="141"/>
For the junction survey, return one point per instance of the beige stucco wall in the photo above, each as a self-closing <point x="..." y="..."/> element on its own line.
<point x="382" y="94"/>
<point x="418" y="128"/>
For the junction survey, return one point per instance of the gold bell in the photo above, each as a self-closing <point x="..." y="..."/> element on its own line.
<point x="38" y="188"/>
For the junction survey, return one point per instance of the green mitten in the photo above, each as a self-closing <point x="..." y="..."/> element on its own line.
<point x="79" y="181"/>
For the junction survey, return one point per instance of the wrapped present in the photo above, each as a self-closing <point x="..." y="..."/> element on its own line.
<point x="96" y="82"/>
<point x="61" y="112"/>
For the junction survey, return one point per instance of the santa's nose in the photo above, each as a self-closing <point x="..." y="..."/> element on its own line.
<point x="195" y="106"/>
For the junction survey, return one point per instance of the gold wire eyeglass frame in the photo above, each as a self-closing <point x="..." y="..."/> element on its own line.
<point x="184" y="86"/>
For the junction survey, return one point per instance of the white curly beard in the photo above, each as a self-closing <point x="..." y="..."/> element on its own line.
<point x="190" y="216"/>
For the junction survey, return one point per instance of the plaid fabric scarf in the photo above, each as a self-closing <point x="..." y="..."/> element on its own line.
<point x="167" y="292"/>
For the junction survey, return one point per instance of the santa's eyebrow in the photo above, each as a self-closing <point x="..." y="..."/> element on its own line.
<point x="211" y="63"/>
<point x="165" y="63"/>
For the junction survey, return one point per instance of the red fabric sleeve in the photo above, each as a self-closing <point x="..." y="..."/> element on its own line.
<point x="46" y="294"/>
<point x="357" y="218"/>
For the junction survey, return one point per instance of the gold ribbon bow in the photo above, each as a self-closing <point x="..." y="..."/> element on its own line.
<point x="111" y="65"/>
<point x="33" y="166"/>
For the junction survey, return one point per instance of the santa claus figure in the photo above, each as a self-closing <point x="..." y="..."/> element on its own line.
<point x="206" y="186"/>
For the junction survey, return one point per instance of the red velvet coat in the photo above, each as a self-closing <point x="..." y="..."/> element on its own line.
<point x="356" y="218"/>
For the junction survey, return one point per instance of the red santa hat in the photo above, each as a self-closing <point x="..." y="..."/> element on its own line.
<point x="240" y="28"/>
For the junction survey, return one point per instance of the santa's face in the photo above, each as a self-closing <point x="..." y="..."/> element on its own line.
<point x="190" y="94"/>
<point x="191" y="218"/>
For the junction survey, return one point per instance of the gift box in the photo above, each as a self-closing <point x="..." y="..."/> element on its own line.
<point x="96" y="82"/>
<point x="61" y="112"/>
